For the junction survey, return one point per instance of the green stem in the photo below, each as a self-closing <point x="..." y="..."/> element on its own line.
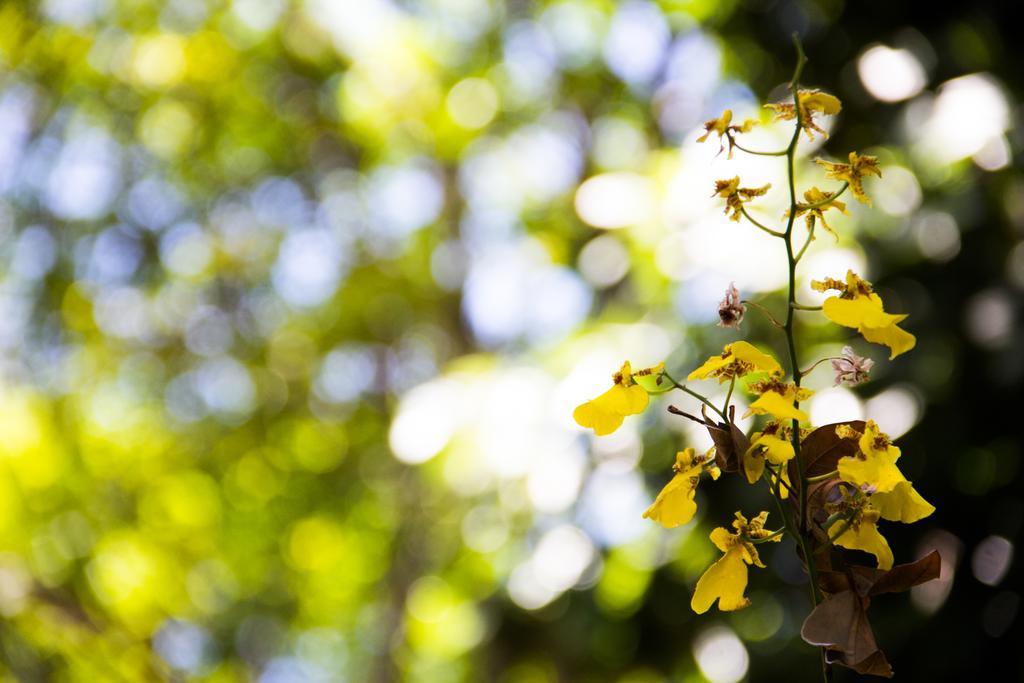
<point x="775" y="491"/>
<point x="703" y="399"/>
<point x="832" y="519"/>
<point x="811" y="207"/>
<point x="790" y="337"/>
<point x="728" y="396"/>
<point x="812" y="570"/>
<point x="817" y="363"/>
<point x="822" y="477"/>
<point x="764" y="310"/>
<point x="807" y="242"/>
<point x="823" y="202"/>
<point x="765" y="539"/>
<point x="778" y="475"/>
<point x="787" y="523"/>
<point x="800" y="307"/>
<point x="737" y="145"/>
<point x="847" y="523"/>
<point x="773" y="233"/>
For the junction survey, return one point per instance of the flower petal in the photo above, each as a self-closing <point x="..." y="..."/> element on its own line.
<point x="722" y="539"/>
<point x="896" y="338"/>
<point x="624" y="400"/>
<point x="853" y="312"/>
<point x="902" y="504"/>
<point x="596" y="416"/>
<point x="868" y="316"/>
<point x="674" y="506"/>
<point x="773" y="403"/>
<point x="760" y="360"/>
<point x="724" y="581"/>
<point x="710" y="365"/>
<point x="821" y="101"/>
<point x="783" y="488"/>
<point x="604" y="414"/>
<point x="866" y="537"/>
<point x="876" y="469"/>
<point x="753" y="464"/>
<point x="778" y="451"/>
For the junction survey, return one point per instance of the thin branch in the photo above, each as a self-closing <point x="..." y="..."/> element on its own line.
<point x="822" y="477"/>
<point x="812" y="570"/>
<point x="778" y="475"/>
<point x="801" y="59"/>
<point x="823" y="202"/>
<point x="737" y="145"/>
<point x="728" y="396"/>
<point x="765" y="311"/>
<point x="807" y="242"/>
<point x="765" y="539"/>
<point x="790" y="337"/>
<point x="811" y="207"/>
<point x="773" y="233"/>
<point x="817" y="363"/>
<point x="847" y="523"/>
<point x="699" y="397"/>
<point x="682" y="413"/>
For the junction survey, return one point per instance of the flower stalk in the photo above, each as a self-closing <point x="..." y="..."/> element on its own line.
<point x="788" y="327"/>
<point x="851" y="464"/>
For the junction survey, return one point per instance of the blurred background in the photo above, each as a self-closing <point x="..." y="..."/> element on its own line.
<point x="297" y="298"/>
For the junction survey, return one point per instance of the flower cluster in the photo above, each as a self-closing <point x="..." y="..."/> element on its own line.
<point x="834" y="484"/>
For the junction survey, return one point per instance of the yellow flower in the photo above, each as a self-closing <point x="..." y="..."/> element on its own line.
<point x="722" y="126"/>
<point x="815" y="196"/>
<point x="812" y="102"/>
<point x="675" y="505"/>
<point x="605" y="413"/>
<point x="777" y="400"/>
<point x="874" y="465"/>
<point x="772" y="444"/>
<point x="873" y="470"/>
<point x="859" y="307"/>
<point x="853" y="172"/>
<point x="719" y="125"/>
<point x="735" y="196"/>
<point x="861" y="533"/>
<point x="726" y="579"/>
<point x="737" y="359"/>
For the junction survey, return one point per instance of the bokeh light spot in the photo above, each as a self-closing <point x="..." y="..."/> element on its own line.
<point x="889" y="74"/>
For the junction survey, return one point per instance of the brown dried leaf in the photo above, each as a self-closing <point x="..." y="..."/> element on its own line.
<point x="729" y="440"/>
<point x="833" y="582"/>
<point x="821" y="449"/>
<point x="875" y="665"/>
<point x="817" y="497"/>
<point x="840" y="624"/>
<point x="868" y="581"/>
<point x="903" y="577"/>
